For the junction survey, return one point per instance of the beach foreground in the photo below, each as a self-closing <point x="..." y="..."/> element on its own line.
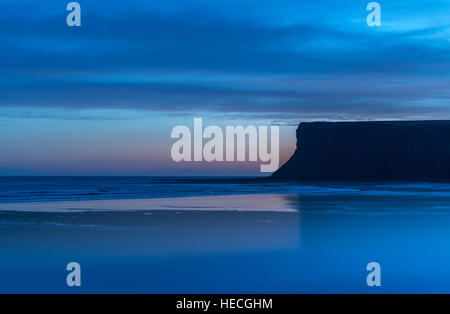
<point x="310" y="240"/>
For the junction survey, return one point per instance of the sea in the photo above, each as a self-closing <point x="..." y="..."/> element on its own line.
<point x="322" y="243"/>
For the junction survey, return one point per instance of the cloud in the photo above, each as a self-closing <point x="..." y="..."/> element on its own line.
<point x="241" y="56"/>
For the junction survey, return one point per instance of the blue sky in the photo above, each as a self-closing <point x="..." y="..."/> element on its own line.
<point x="103" y="98"/>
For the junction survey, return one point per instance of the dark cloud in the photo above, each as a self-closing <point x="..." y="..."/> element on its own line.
<point x="199" y="58"/>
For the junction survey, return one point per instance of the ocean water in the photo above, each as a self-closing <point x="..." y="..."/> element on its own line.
<point x="322" y="245"/>
<point x="37" y="189"/>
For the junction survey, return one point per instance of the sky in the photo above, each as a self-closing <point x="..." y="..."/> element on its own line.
<point x="102" y="99"/>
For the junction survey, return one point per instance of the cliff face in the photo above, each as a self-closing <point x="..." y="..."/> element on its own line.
<point x="370" y="151"/>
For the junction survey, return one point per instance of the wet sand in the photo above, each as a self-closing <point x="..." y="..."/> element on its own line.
<point x="250" y="203"/>
<point x="311" y="240"/>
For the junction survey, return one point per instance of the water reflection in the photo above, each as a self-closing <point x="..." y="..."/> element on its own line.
<point x="322" y="243"/>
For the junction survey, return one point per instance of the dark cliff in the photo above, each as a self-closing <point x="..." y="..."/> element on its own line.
<point x="370" y="151"/>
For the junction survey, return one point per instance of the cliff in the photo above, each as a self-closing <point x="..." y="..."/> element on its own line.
<point x="370" y="151"/>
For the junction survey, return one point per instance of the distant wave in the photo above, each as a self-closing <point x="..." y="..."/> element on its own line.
<point x="46" y="189"/>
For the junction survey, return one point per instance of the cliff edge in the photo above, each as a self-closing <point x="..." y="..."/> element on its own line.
<point x="370" y="151"/>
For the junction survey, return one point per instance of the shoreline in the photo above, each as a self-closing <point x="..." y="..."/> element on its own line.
<point x="228" y="203"/>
